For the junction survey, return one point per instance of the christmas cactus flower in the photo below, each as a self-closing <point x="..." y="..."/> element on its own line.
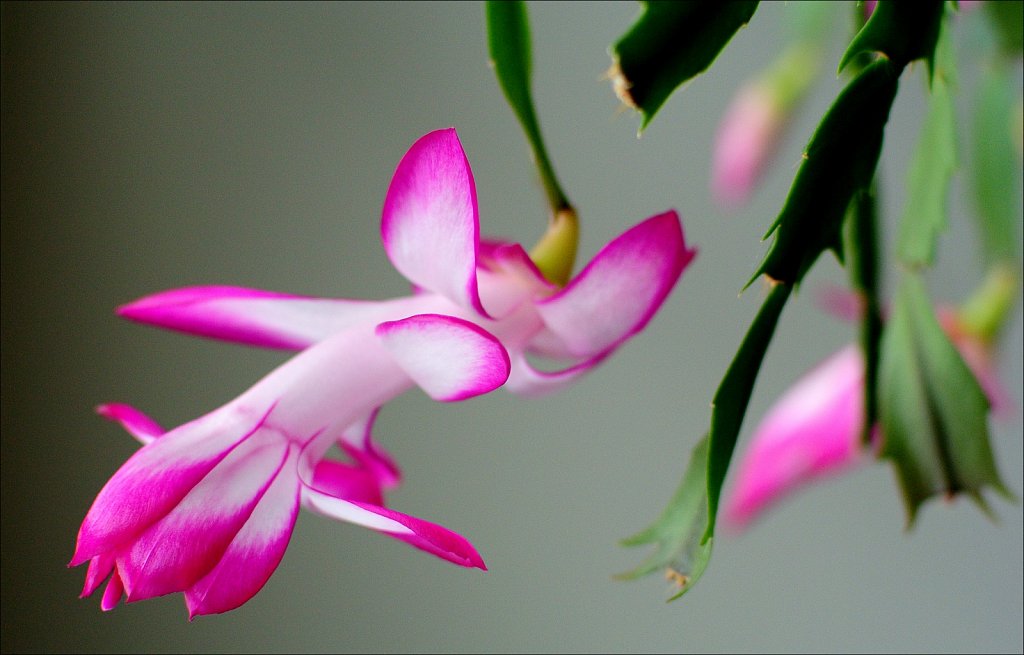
<point x="207" y="508"/>
<point x="815" y="430"/>
<point x="753" y="125"/>
<point x="746" y="139"/>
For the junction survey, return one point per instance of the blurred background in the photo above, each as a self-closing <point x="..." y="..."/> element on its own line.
<point x="148" y="146"/>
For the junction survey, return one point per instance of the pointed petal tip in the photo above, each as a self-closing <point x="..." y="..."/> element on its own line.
<point x="78" y="558"/>
<point x="137" y="424"/>
<point x="249" y="316"/>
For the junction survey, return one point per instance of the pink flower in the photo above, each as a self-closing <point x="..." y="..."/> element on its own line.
<point x="746" y="139"/>
<point x="815" y="429"/>
<point x="207" y="508"/>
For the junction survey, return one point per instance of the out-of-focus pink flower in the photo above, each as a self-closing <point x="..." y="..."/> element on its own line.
<point x="207" y="508"/>
<point x="815" y="429"/>
<point x="746" y="139"/>
<point x="756" y="118"/>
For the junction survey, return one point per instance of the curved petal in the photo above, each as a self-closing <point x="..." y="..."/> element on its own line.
<point x="430" y="537"/>
<point x="348" y="511"/>
<point x="813" y="431"/>
<point x="253" y="317"/>
<point x="175" y="552"/>
<point x="137" y="424"/>
<point x="620" y="289"/>
<point x="451" y="359"/>
<point x="347" y="481"/>
<point x="529" y="382"/>
<point x="431" y="226"/>
<point x="254" y="553"/>
<point x="155" y="479"/>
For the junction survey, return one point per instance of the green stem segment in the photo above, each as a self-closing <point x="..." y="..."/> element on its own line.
<point x="862" y="225"/>
<point x="508" y="41"/>
<point x="733" y="395"/>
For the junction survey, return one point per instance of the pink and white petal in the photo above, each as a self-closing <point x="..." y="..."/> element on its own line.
<point x="113" y="593"/>
<point x="347" y="511"/>
<point x="433" y="538"/>
<point x="99" y="570"/>
<point x="813" y="431"/>
<point x="430" y="537"/>
<point x="449" y="358"/>
<point x="529" y="382"/>
<point x="251" y="316"/>
<point x="546" y="343"/>
<point x="360" y="431"/>
<point x="377" y="462"/>
<point x="507" y="277"/>
<point x="347" y="482"/>
<point x="254" y="553"/>
<point x="137" y="424"/>
<point x="357" y="442"/>
<point x="621" y="288"/>
<point x="155" y="479"/>
<point x="172" y="554"/>
<point x="431" y="225"/>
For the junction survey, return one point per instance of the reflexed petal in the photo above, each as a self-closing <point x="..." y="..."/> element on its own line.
<point x="527" y="381"/>
<point x="348" y="511"/>
<point x="451" y="359"/>
<point x="155" y="479"/>
<point x="814" y="430"/>
<point x="426" y="536"/>
<point x="620" y="289"/>
<point x="186" y="544"/>
<point x="431" y="225"/>
<point x="140" y="426"/>
<point x="254" y="553"/>
<point x="253" y="317"/>
<point x="432" y="538"/>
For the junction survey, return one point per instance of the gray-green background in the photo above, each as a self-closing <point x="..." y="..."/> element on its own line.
<point x="149" y="146"/>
